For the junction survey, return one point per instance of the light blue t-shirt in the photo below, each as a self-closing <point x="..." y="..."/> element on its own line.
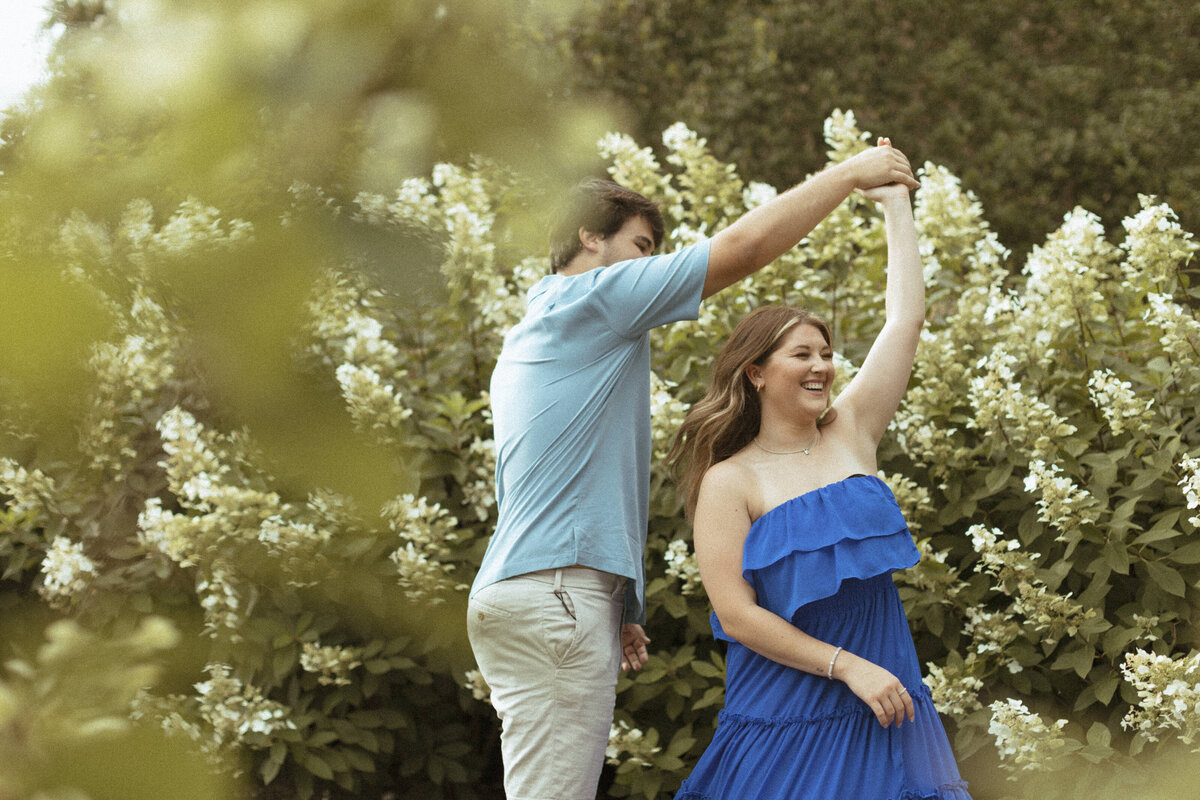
<point x="571" y="413"/>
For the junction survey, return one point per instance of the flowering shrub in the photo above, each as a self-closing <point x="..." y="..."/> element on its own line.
<point x="1046" y="456"/>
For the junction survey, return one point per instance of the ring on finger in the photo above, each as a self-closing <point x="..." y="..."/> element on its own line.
<point x="903" y="690"/>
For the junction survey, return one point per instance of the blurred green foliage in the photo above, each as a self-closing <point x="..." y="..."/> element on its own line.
<point x="1038" y="107"/>
<point x="248" y="320"/>
<point x="161" y="235"/>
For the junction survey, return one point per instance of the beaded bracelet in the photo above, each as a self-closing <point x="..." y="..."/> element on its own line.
<point x="829" y="672"/>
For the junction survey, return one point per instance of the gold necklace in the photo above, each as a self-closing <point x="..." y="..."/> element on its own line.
<point x="789" y="452"/>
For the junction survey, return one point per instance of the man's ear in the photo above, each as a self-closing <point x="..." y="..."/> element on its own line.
<point x="590" y="239"/>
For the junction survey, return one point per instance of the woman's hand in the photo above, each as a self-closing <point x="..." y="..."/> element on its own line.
<point x="879" y="689"/>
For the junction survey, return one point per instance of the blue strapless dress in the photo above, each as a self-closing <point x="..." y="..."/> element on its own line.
<point x="824" y="561"/>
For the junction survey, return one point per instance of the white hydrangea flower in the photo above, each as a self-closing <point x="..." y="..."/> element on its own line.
<point x="955" y="693"/>
<point x="236" y="710"/>
<point x="1168" y="695"/>
<point x="1023" y="738"/>
<point x="477" y="686"/>
<point x="1155" y="243"/>
<point x="479" y="494"/>
<point x="681" y="565"/>
<point x="331" y="663"/>
<point x="66" y="571"/>
<point x="1190" y="483"/>
<point x="375" y="405"/>
<point x="29" y="489"/>
<point x="427" y="532"/>
<point x="1180" y="330"/>
<point x="1117" y="402"/>
<point x="666" y="413"/>
<point x="637" y="747"/>
<point x="756" y="194"/>
<point x="1061" y="502"/>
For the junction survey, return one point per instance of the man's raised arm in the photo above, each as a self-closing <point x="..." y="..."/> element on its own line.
<point x="763" y="234"/>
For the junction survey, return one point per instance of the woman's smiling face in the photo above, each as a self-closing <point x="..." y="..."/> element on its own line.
<point x="800" y="370"/>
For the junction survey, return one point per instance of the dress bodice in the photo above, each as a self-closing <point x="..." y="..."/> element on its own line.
<point x="803" y="549"/>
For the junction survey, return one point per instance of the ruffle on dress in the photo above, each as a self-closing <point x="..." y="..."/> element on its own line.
<point x="763" y="757"/>
<point x="791" y="562"/>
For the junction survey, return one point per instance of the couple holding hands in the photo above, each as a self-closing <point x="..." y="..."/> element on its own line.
<point x="795" y="536"/>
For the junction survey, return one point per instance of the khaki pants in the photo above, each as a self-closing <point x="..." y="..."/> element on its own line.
<point x="548" y="644"/>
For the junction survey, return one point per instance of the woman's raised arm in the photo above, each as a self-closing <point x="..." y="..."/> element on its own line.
<point x="874" y="394"/>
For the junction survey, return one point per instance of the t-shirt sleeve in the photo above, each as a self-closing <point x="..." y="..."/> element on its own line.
<point x="635" y="296"/>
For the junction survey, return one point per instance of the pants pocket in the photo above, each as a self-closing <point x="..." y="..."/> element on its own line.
<point x="560" y="628"/>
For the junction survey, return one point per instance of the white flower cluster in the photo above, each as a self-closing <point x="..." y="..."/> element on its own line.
<point x="375" y="405"/>
<point x="1002" y="406"/>
<point x="131" y="371"/>
<point x="938" y="380"/>
<point x="1116" y="400"/>
<point x="992" y="632"/>
<point x="1016" y="576"/>
<point x="477" y="686"/>
<point x="756" y="194"/>
<point x="479" y="489"/>
<point x="637" y="747"/>
<point x="30" y="490"/>
<point x="635" y="167"/>
<point x="950" y="221"/>
<point x="710" y="194"/>
<point x="842" y="136"/>
<point x="932" y="575"/>
<point x="844" y="372"/>
<point x="223" y="516"/>
<point x="1168" y="695"/>
<point x="66" y="571"/>
<point x="667" y="414"/>
<point x="427" y="531"/>
<point x="1180" y="331"/>
<point x="681" y="565"/>
<point x="1063" y="279"/>
<point x="331" y="663"/>
<point x="955" y="693"/>
<point x="237" y="711"/>
<point x="196" y="228"/>
<point x="1190" y="483"/>
<point x="1155" y="244"/>
<point x="1060" y="501"/>
<point x="913" y="499"/>
<point x="223" y="607"/>
<point x="1024" y="740"/>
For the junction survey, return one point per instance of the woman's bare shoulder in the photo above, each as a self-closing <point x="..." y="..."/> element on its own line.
<point x="731" y="480"/>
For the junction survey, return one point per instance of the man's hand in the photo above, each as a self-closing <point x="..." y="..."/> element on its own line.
<point x="880" y="166"/>
<point x="633" y="647"/>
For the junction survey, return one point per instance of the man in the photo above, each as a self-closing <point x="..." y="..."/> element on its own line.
<point x="559" y="599"/>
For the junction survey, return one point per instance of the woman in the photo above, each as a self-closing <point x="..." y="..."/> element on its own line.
<point x="796" y="540"/>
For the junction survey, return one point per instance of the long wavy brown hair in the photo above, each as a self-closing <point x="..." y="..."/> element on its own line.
<point x="727" y="418"/>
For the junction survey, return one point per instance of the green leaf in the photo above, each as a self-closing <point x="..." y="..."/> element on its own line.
<point x="1188" y="554"/>
<point x="317" y="766"/>
<point x="269" y="769"/>
<point x="1079" y="658"/>
<point x="1163" y="528"/>
<point x="1099" y="735"/>
<point x="714" y="695"/>
<point x="1166" y="578"/>
<point x="1116" y="556"/>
